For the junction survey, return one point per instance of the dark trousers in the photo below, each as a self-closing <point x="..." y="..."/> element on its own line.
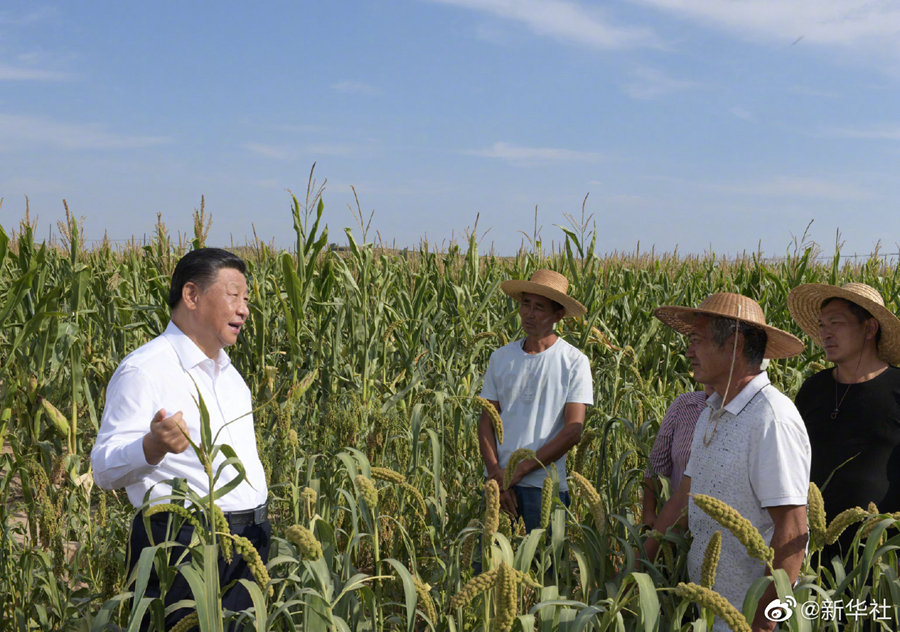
<point x="528" y="506"/>
<point x="528" y="501"/>
<point x="236" y="599"/>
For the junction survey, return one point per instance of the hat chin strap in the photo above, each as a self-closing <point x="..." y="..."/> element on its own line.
<point x="719" y="412"/>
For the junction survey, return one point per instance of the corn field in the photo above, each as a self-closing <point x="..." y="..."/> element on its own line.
<point x="365" y="365"/>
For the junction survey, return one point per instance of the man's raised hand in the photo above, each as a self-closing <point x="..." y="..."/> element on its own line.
<point x="167" y="435"/>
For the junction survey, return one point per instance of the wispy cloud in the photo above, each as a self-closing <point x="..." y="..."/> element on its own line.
<point x="26" y="73"/>
<point x="743" y="114"/>
<point x="286" y="152"/>
<point x="629" y="200"/>
<point x="864" y="23"/>
<point x="336" y="149"/>
<point x="804" y="187"/>
<point x="823" y="188"/>
<point x="7" y="17"/>
<point x="267" y="183"/>
<point x="25" y="131"/>
<point x="890" y="131"/>
<point x="355" y="87"/>
<point x="651" y="83"/>
<point x="806" y="91"/>
<point x="569" y="22"/>
<point x="516" y="154"/>
<point x="278" y="152"/>
<point x="303" y="129"/>
<point x="32" y="185"/>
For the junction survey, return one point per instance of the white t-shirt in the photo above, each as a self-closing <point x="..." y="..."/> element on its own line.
<point x="758" y="458"/>
<point x="533" y="390"/>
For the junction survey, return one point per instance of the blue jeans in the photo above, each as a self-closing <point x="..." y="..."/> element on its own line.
<point x="528" y="501"/>
<point x="528" y="505"/>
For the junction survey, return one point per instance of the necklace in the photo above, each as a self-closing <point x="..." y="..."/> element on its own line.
<point x="837" y="404"/>
<point x="714" y="417"/>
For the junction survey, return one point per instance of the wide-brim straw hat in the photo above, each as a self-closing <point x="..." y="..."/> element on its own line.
<point x="779" y="344"/>
<point x="805" y="302"/>
<point x="549" y="284"/>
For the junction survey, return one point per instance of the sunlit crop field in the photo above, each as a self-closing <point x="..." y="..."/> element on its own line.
<point x="365" y="365"/>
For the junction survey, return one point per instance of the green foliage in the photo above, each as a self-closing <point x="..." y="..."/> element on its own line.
<point x="367" y="358"/>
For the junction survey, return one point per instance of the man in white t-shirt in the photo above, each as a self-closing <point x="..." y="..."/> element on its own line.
<point x="541" y="386"/>
<point x="750" y="448"/>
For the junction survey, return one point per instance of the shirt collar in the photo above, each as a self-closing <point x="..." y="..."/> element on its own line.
<point x="736" y="405"/>
<point x="189" y="354"/>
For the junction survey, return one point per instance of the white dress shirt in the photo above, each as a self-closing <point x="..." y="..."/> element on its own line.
<point x="158" y="375"/>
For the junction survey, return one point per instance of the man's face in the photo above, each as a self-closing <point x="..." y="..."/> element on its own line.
<point x="538" y="314"/>
<point x="843" y="336"/>
<point x="710" y="362"/>
<point x="222" y="309"/>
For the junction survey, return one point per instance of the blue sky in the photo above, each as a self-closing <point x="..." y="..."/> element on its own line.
<point x="690" y="123"/>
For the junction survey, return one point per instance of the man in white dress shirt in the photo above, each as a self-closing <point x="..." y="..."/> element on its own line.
<point x="151" y="406"/>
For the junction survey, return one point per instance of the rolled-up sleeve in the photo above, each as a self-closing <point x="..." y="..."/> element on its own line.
<point x="118" y="458"/>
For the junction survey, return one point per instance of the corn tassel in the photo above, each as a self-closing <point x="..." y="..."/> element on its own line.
<point x="716" y="603"/>
<point x="423" y="592"/>
<point x="740" y="527"/>
<point x="507" y="596"/>
<point x="711" y="560"/>
<point x="842" y="521"/>
<point x="178" y="510"/>
<point x="225" y="544"/>
<point x="546" y="502"/>
<point x="494" y="415"/>
<point x="365" y="488"/>
<point x="492" y="511"/>
<point x="816" y="515"/>
<point x="468" y="545"/>
<point x="515" y="458"/>
<point x="473" y="588"/>
<point x="594" y="502"/>
<point x="254" y="563"/>
<point x="384" y="474"/>
<point x="186" y="623"/>
<point x="305" y="541"/>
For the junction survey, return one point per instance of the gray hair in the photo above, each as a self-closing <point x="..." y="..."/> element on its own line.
<point x="755" y="338"/>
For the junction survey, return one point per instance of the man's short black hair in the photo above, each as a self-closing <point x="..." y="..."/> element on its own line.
<point x="861" y="313"/>
<point x="201" y="267"/>
<point x="557" y="307"/>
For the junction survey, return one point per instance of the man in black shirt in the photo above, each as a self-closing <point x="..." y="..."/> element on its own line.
<point x="851" y="411"/>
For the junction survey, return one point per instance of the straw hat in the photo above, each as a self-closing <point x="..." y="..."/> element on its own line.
<point x="549" y="284"/>
<point x="780" y="344"/>
<point x="805" y="303"/>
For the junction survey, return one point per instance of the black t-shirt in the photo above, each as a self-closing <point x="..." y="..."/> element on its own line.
<point x="866" y="430"/>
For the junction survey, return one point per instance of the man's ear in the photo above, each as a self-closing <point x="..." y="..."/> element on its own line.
<point x="872" y="327"/>
<point x="189" y="295"/>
